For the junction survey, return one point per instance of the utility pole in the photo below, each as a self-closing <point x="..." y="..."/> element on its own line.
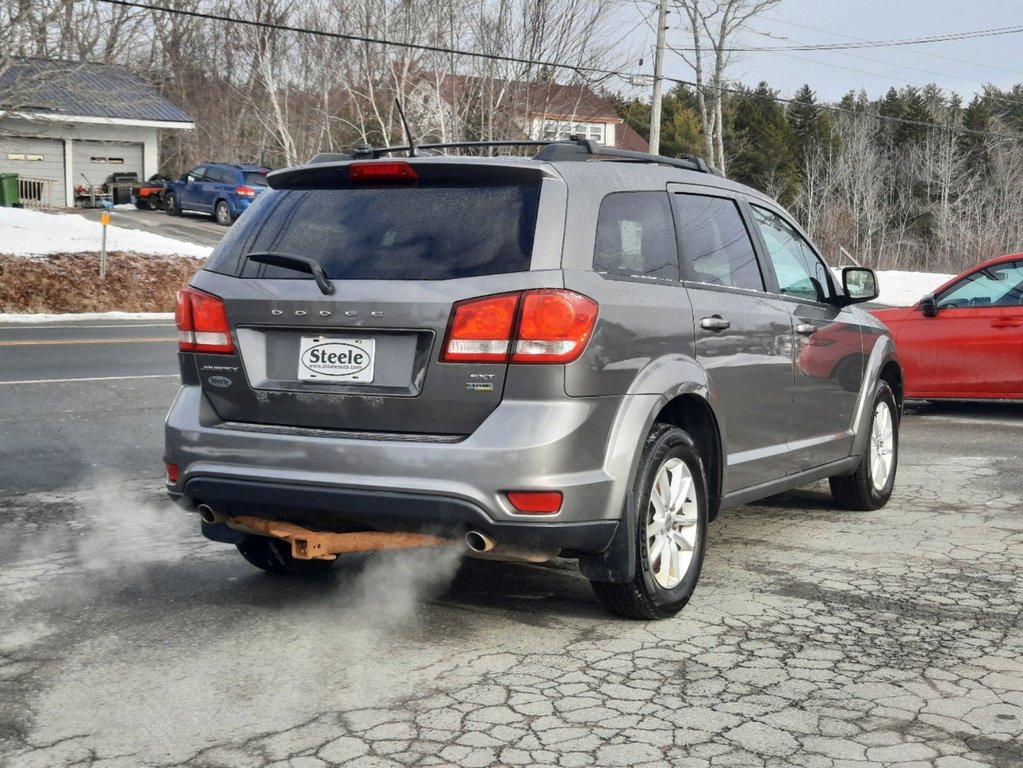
<point x="655" y="102"/>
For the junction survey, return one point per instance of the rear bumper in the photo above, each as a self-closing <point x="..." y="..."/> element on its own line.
<point x="340" y="509"/>
<point x="337" y="482"/>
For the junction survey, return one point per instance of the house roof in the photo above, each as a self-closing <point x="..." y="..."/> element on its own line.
<point x="544" y="99"/>
<point x="65" y="89"/>
<point x="535" y="99"/>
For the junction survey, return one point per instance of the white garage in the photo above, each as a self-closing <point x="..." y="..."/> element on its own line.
<point x="34" y="158"/>
<point x="95" y="160"/>
<point x="83" y="123"/>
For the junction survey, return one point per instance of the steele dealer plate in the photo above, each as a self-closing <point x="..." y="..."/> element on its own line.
<point x="336" y="359"/>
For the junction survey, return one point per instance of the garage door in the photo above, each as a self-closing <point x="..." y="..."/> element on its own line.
<point x="37" y="159"/>
<point x="96" y="160"/>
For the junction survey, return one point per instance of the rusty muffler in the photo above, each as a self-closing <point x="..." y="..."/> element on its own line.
<point x="323" y="545"/>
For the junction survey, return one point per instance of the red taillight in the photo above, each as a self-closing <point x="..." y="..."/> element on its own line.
<point x="173" y="473"/>
<point x="385" y="171"/>
<point x="535" y="502"/>
<point x="537" y="326"/>
<point x="245" y="191"/>
<point x="481" y="329"/>
<point x="202" y="322"/>
<point x="554" y="328"/>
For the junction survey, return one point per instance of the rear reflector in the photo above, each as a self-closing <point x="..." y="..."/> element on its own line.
<point x="385" y="171"/>
<point x="173" y="473"/>
<point x="535" y="326"/>
<point x="202" y="322"/>
<point x="535" y="502"/>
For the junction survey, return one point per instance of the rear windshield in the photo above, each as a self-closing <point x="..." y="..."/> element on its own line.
<point x="255" y="178"/>
<point x="406" y="233"/>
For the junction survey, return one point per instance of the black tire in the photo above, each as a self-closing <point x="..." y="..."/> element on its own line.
<point x="864" y="490"/>
<point x="172" y="204"/>
<point x="274" y="556"/>
<point x="646" y="596"/>
<point x="222" y="213"/>
<point x="142" y="203"/>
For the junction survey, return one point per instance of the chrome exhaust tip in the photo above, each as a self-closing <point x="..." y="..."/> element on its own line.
<point x="484" y="547"/>
<point x="209" y="515"/>
<point x="478" y="542"/>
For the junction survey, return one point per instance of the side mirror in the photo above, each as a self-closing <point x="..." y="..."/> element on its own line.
<point x="859" y="284"/>
<point x="928" y="306"/>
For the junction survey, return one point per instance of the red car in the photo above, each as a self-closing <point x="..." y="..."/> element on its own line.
<point x="965" y="341"/>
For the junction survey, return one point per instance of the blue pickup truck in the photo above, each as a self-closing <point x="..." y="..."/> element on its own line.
<point x="222" y="190"/>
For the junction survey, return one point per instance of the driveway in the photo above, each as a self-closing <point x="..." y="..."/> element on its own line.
<point x="189" y="227"/>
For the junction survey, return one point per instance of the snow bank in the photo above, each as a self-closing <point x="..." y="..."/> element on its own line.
<point x="903" y="289"/>
<point x="32" y="233"/>
<point x="155" y="317"/>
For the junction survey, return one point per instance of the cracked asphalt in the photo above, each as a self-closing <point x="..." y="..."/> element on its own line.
<point x="816" y="638"/>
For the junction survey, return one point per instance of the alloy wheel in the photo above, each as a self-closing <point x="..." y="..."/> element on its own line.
<point x="882" y="446"/>
<point x="673" y="521"/>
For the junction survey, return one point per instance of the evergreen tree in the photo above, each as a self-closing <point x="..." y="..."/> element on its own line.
<point x="976" y="117"/>
<point x="680" y="124"/>
<point x="761" y="142"/>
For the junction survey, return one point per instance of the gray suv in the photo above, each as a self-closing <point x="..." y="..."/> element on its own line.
<point x="587" y="353"/>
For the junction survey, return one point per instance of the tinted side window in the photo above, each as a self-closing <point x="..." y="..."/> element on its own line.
<point x="218" y="175"/>
<point x="716" y="247"/>
<point x="197" y="173"/>
<point x="1000" y="285"/>
<point x="399" y="233"/>
<point x="635" y="236"/>
<point x="800" y="273"/>
<point x="254" y="178"/>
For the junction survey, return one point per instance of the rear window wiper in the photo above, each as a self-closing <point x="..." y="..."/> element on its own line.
<point x="297" y="263"/>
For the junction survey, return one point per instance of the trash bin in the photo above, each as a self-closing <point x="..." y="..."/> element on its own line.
<point x="8" y="189"/>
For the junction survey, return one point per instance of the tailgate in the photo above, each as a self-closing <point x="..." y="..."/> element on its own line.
<point x="362" y="353"/>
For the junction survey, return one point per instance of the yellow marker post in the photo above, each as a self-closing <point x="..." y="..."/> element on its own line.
<point x="104" y="219"/>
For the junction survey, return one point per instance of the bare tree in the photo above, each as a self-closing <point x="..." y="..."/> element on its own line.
<point x="711" y="26"/>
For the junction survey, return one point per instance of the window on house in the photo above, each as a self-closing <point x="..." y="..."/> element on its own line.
<point x="561" y="129"/>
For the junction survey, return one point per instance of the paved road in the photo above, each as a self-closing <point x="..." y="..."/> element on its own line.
<point x="79" y="398"/>
<point x="192" y="228"/>
<point x="816" y="637"/>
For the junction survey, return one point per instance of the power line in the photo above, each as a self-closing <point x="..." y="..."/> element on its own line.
<point x="856" y="113"/>
<point x="877" y="43"/>
<point x="577" y="69"/>
<point x="931" y="54"/>
<point x="357" y="38"/>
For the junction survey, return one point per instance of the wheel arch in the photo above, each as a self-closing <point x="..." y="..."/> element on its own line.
<point x="694" y="415"/>
<point x="891" y="373"/>
<point x="686" y="403"/>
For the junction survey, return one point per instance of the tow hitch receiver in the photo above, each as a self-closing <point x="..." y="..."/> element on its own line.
<point x="321" y="545"/>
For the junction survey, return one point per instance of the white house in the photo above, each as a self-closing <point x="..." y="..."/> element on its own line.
<point x="74" y="124"/>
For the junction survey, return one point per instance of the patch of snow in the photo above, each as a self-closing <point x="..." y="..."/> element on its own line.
<point x="904" y="289"/>
<point x="10" y="317"/>
<point x="33" y="233"/>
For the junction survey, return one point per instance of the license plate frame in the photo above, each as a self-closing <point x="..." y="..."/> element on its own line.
<point x="336" y="359"/>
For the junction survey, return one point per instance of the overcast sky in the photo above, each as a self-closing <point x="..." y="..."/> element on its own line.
<point x="962" y="66"/>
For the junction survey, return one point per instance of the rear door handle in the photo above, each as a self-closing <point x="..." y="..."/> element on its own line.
<point x="715" y="323"/>
<point x="806" y="329"/>
<point x="1007" y="322"/>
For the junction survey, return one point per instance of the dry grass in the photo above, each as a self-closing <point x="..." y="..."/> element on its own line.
<point x="70" y="283"/>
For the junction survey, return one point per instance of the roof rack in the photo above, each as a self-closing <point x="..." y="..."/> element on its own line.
<point x="580" y="148"/>
<point x="575" y="147"/>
